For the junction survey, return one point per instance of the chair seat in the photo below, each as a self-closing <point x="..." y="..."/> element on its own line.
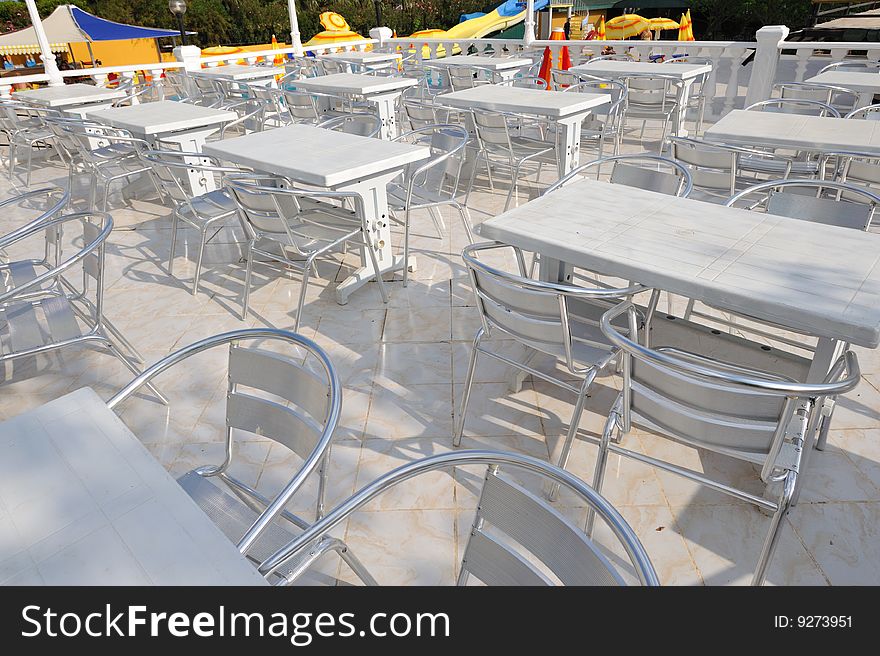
<point x="31" y="135"/>
<point x="122" y="167"/>
<point x="421" y="196"/>
<point x="210" y="205"/>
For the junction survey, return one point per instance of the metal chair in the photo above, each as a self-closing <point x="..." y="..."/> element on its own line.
<point x="858" y="168"/>
<point x="43" y="309"/>
<point x="724" y="394"/>
<point x="523" y="82"/>
<point x="603" y="122"/>
<point x="432" y="184"/>
<point x="49" y="202"/>
<point x="364" y="125"/>
<point x="841" y="98"/>
<point x="550" y="318"/>
<point x="641" y="170"/>
<point x="499" y="147"/>
<point x="32" y="133"/>
<point x="301" y="107"/>
<point x="204" y="211"/>
<point x="819" y="201"/>
<point x="294" y="400"/>
<point x="468" y="77"/>
<point x="516" y="538"/>
<point x="294" y="227"/>
<point x="804" y="106"/>
<point x="867" y="113"/>
<point x="651" y="97"/>
<point x="866" y="66"/>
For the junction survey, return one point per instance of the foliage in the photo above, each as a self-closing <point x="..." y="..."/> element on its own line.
<point x="740" y="19"/>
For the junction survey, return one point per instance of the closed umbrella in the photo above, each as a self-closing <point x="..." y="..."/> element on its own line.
<point x="683" y="29"/>
<point x="558" y="34"/>
<point x="600" y="33"/>
<point x="690" y="26"/>
<point x="623" y="27"/>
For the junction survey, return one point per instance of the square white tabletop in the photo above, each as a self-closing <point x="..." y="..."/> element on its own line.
<point x="68" y="95"/>
<point x="82" y="502"/>
<point x="492" y="63"/>
<point x="821" y="279"/>
<point x="614" y="68"/>
<point x="162" y="117"/>
<point x="362" y="57"/>
<point x="354" y="83"/>
<point x="863" y="82"/>
<point x="316" y="156"/>
<point x="237" y="72"/>
<point x="538" y="102"/>
<point x="810" y="133"/>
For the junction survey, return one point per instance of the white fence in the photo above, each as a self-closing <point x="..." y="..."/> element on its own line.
<point x="742" y="71"/>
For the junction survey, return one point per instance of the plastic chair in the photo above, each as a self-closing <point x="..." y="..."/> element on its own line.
<point x="516" y="537"/>
<point x="292" y="400"/>
<point x="724" y="394"/>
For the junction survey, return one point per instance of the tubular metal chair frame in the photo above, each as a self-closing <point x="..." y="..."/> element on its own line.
<point x="659" y="111"/>
<point x="793" y="432"/>
<point x="338" y="123"/>
<point x="824" y="109"/>
<point x="565" y="295"/>
<point x="45" y="215"/>
<point x="269" y="510"/>
<point x="867" y="109"/>
<point x="185" y="210"/>
<point x="317" y="247"/>
<point x="829" y="91"/>
<point x="843" y="64"/>
<point x="686" y="183"/>
<point x="52" y="285"/>
<point x="613" y="113"/>
<point x="412" y="177"/>
<point x="297" y="556"/>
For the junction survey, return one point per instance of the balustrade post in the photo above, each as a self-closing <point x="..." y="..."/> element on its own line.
<point x="765" y="63"/>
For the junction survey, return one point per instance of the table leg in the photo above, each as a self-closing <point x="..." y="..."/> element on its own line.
<point x="378" y="233"/>
<point x="193" y="142"/>
<point x="507" y="74"/>
<point x="569" y="143"/>
<point x="678" y="116"/>
<point x="386" y="105"/>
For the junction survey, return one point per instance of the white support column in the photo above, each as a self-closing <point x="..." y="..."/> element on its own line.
<point x="46" y="54"/>
<point x="529" y="33"/>
<point x="765" y="63"/>
<point x="295" y="38"/>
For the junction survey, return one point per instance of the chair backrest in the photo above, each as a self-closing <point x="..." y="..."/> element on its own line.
<point x="517" y="537"/>
<point x="172" y="169"/>
<point x="732" y="400"/>
<point x="712" y="166"/>
<point x="605" y="114"/>
<point x="549" y="317"/>
<point x="492" y="130"/>
<point x="206" y="87"/>
<point x="364" y="125"/>
<point x="861" y="169"/>
<point x="646" y="171"/>
<point x="49" y="202"/>
<point x="818" y="201"/>
<point x="300" y="105"/>
<point x="805" y="106"/>
<point x="467" y="77"/>
<point x="652" y="92"/>
<point x="419" y="114"/>
<point x="441" y="174"/>
<point x="868" y="113"/>
<point x="865" y="66"/>
<point x="525" y="82"/>
<point x="841" y="98"/>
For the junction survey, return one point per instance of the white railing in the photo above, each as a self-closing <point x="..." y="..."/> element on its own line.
<point x="742" y="71"/>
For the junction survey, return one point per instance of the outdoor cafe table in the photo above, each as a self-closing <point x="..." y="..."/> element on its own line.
<point x="866" y="84"/>
<point x="82" y="502"/>
<point x="819" y="279"/>
<point x="567" y="110"/>
<point x="687" y="73"/>
<point x="805" y="133"/>
<point x="505" y="67"/>
<point x="362" y="59"/>
<point x="175" y="122"/>
<point x="382" y="92"/>
<point x="71" y="98"/>
<point x="335" y="160"/>
<point x="262" y="75"/>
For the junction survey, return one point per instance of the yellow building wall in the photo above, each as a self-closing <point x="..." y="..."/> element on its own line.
<point x="117" y="53"/>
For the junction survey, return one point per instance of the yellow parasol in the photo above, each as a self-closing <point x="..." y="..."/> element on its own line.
<point x="600" y="33"/>
<point x="336" y="30"/>
<point x="683" y="28"/>
<point x="658" y="24"/>
<point x="333" y="22"/>
<point x="623" y="27"/>
<point x="690" y="26"/>
<point x="278" y="59"/>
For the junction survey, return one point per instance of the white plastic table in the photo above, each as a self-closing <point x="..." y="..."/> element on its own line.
<point x="176" y="122"/>
<point x="866" y="84"/>
<point x="334" y="160"/>
<point x="71" y="98"/>
<point x="82" y="502"/>
<point x="819" y="279"/>
<point x="263" y="75"/>
<point x="687" y="73"/>
<point x="567" y="110"/>
<point x="505" y="67"/>
<point x="362" y="59"/>
<point x="805" y="133"/>
<point x="382" y="92"/>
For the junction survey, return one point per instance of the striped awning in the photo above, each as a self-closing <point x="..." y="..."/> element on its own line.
<point x="30" y="49"/>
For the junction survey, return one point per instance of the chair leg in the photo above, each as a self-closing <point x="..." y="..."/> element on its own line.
<point x="30" y="160"/>
<point x="468" y="383"/>
<point x="302" y="292"/>
<point x="439" y="224"/>
<point x="775" y="531"/>
<point x="203" y="238"/>
<point x="247" y="282"/>
<point x="175" y="224"/>
<point x="553" y="493"/>
<point x="13" y="154"/>
<point x="601" y="461"/>
<point x="406" y="218"/>
<point x="137" y="372"/>
<point x="466" y="220"/>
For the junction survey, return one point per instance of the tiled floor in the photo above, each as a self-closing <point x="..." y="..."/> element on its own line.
<point x="403" y="365"/>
